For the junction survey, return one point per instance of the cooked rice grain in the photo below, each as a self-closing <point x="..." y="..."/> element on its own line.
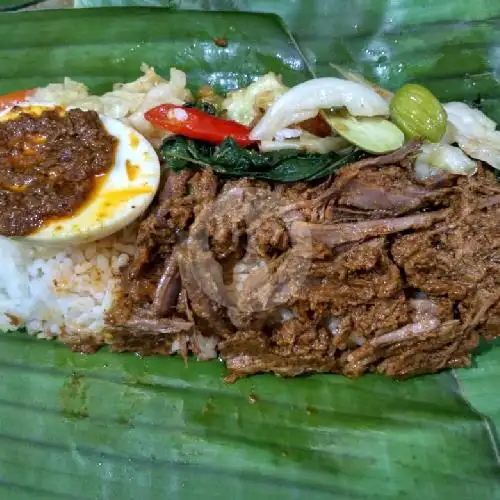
<point x="66" y="292"/>
<point x="61" y="291"/>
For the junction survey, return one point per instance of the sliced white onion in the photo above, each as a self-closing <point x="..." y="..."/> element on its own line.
<point x="310" y="97"/>
<point x="302" y="116"/>
<point x="269" y="146"/>
<point x="306" y="142"/>
<point x="288" y="133"/>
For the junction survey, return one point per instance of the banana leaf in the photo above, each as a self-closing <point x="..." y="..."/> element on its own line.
<point x="389" y="42"/>
<point x="115" y="426"/>
<point x="452" y="47"/>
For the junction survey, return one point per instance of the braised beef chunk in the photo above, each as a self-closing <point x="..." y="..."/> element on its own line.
<point x="368" y="271"/>
<point x="390" y="191"/>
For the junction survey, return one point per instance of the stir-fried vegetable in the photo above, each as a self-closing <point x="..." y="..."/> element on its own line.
<point x="231" y="160"/>
<point x="307" y="142"/>
<point x="196" y="124"/>
<point x="206" y="95"/>
<point x="417" y="112"/>
<point x="375" y="135"/>
<point x="474" y="132"/>
<point x="435" y="157"/>
<point x="245" y="105"/>
<point x="305" y="101"/>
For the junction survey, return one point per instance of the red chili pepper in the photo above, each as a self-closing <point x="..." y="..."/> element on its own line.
<point x="196" y="124"/>
<point x="8" y="100"/>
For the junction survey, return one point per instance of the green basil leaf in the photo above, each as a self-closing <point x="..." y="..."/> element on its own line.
<point x="231" y="160"/>
<point x="174" y="151"/>
<point x="239" y="159"/>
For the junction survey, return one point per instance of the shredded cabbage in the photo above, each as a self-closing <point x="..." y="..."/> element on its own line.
<point x="126" y="102"/>
<point x="245" y="105"/>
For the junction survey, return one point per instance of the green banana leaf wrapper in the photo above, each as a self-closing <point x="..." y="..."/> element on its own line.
<point x="115" y="426"/>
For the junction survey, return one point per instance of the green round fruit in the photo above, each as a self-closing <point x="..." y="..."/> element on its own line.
<point x="418" y="113"/>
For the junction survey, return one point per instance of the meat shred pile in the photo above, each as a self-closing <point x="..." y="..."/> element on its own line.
<point x="368" y="271"/>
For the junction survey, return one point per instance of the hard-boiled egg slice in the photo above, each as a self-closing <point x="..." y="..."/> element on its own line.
<point x="121" y="196"/>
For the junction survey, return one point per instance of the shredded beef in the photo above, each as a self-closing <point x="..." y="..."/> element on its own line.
<point x="271" y="237"/>
<point x="370" y="270"/>
<point x="390" y="191"/>
<point x="168" y="286"/>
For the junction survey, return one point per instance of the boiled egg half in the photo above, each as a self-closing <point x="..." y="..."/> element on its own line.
<point x="120" y="197"/>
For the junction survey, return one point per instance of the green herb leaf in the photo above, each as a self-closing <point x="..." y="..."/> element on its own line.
<point x="231" y="160"/>
<point x="176" y="153"/>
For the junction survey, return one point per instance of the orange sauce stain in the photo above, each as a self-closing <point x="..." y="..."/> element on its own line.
<point x="14" y="320"/>
<point x="30" y="110"/>
<point x="17" y="189"/>
<point x="134" y="141"/>
<point x="99" y="182"/>
<point x="29" y="146"/>
<point x="28" y="150"/>
<point x="39" y="139"/>
<point x="112" y="201"/>
<point x="123" y="195"/>
<point x="132" y="170"/>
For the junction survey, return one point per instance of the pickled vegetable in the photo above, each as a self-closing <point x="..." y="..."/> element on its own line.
<point x="372" y="134"/>
<point x="418" y="113"/>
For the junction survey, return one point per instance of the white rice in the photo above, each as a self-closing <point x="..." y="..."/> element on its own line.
<point x="67" y="291"/>
<point x="61" y="291"/>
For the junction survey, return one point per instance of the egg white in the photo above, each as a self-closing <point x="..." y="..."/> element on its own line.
<point x="121" y="197"/>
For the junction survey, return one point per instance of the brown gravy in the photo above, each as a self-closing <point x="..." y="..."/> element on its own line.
<point x="50" y="164"/>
